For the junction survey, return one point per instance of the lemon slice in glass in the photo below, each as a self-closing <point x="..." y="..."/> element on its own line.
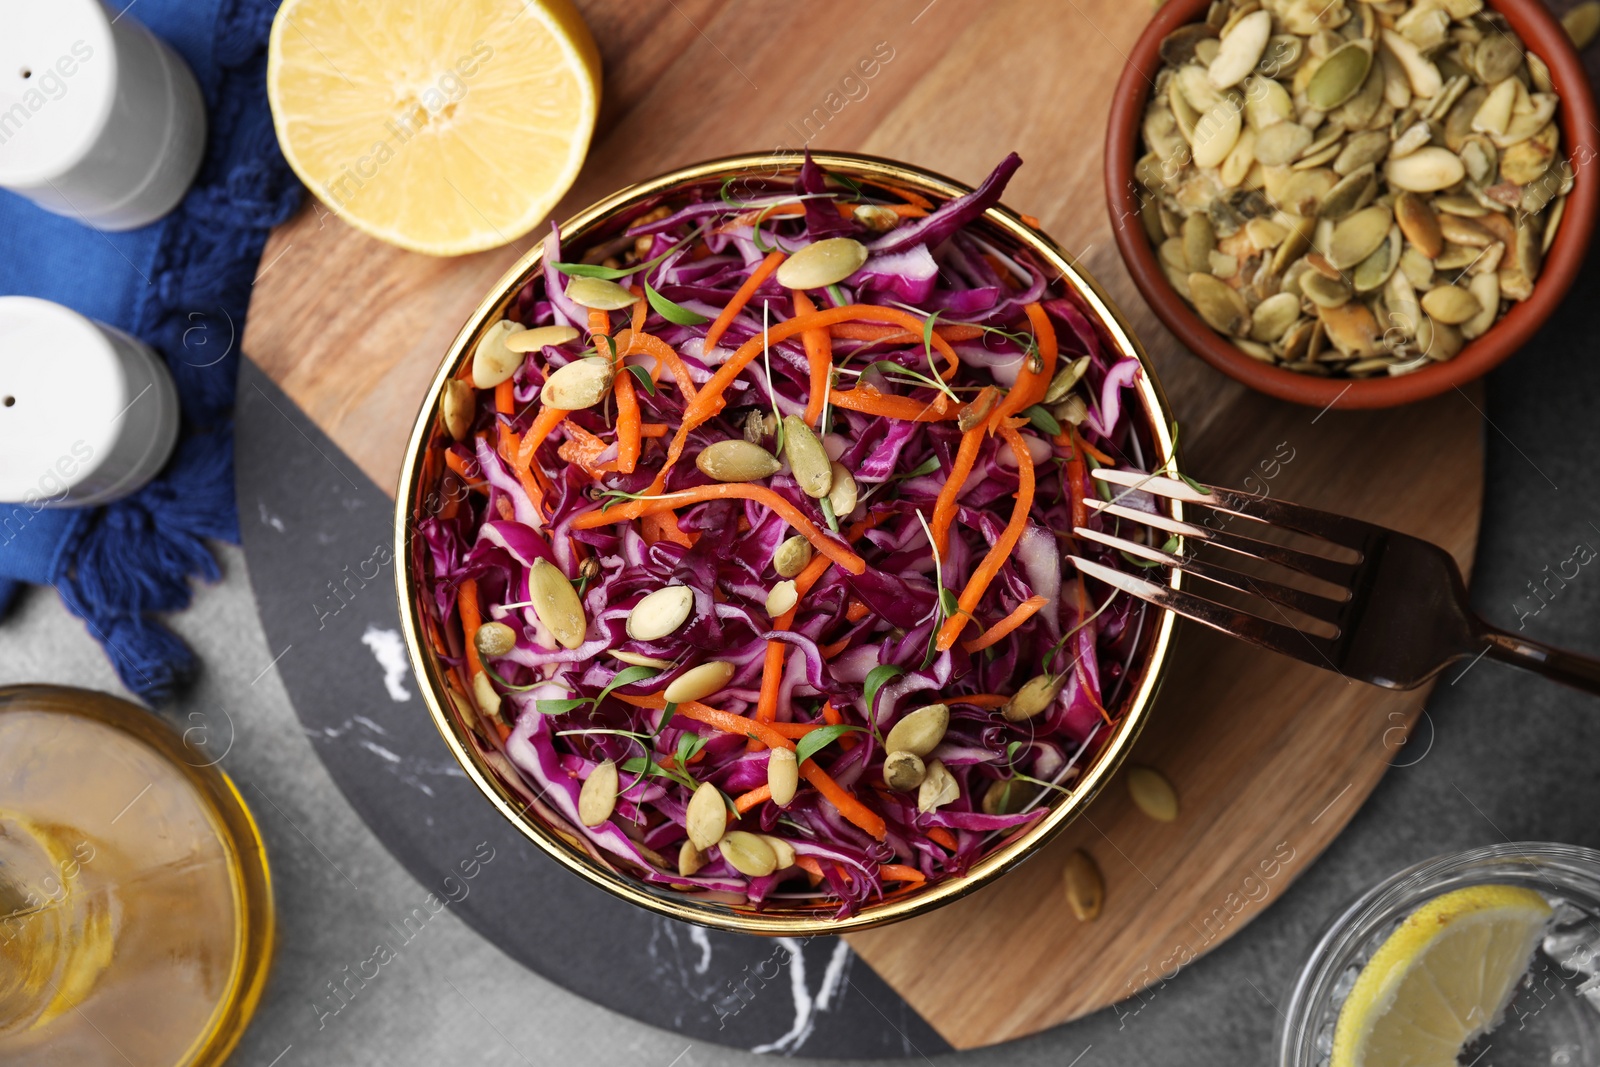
<point x="1440" y="980"/>
<point x="442" y="129"/>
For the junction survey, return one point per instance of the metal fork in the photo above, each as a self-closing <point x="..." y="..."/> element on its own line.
<point x="1399" y="616"/>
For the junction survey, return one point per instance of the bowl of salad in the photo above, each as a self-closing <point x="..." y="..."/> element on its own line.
<point x="735" y="530"/>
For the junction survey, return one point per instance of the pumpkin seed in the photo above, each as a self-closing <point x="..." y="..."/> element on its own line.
<point x="598" y="797"/>
<point x="1458" y="123"/>
<point x="1450" y="304"/>
<point x="1485" y="288"/>
<point x="1303" y="193"/>
<point x="1360" y="150"/>
<point x="690" y="859"/>
<point x="1036" y="694"/>
<point x="1266" y="103"/>
<point x="1085" y="886"/>
<point x="781" y="849"/>
<point x="1530" y="252"/>
<point x="1352" y="329"/>
<point x="1177" y="47"/>
<point x="1241" y="49"/>
<point x="580" y="384"/>
<point x="1294" y="245"/>
<point x="1065" y="378"/>
<point x="706" y="818"/>
<point x="1420" y="72"/>
<point x="920" y="731"/>
<point x="1323" y="291"/>
<point x="876" y="218"/>
<point x="1358" y="236"/>
<point x="1216" y="133"/>
<point x="458" y="405"/>
<point x="1455" y="257"/>
<point x="1152" y="793"/>
<point x="782" y="597"/>
<point x="783" y="775"/>
<point x="494" y="639"/>
<point x="1281" y="55"/>
<point x="903" y="771"/>
<point x="492" y="361"/>
<point x="1526" y="161"/>
<point x="938" y="787"/>
<point x="808" y="460"/>
<point x="736" y="460"/>
<point x="1007" y="796"/>
<point x="660" y="613"/>
<point x="556" y="603"/>
<point x="1419" y="224"/>
<point x="748" y="853"/>
<point x="1340" y="76"/>
<point x="1196" y="92"/>
<point x="1198" y="241"/>
<point x="599" y="294"/>
<point x="1494" y="114"/>
<point x="843" y="493"/>
<point x="637" y="660"/>
<point x="1280" y="144"/>
<point x="1524" y="125"/>
<point x="1219" y="304"/>
<point x="540" y="337"/>
<point x="792" y="556"/>
<point x="1496" y="58"/>
<point x="822" y="263"/>
<point x="1426" y="170"/>
<point x="1374" y="271"/>
<point x="1552" y="220"/>
<point x="1463" y="231"/>
<point x="1354" y="191"/>
<point x="1400" y="297"/>
<point x="1273" y="317"/>
<point x="1205" y="52"/>
<point x="697" y="683"/>
<point x="1539" y="74"/>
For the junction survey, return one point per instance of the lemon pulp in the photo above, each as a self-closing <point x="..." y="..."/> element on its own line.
<point x="443" y="130"/>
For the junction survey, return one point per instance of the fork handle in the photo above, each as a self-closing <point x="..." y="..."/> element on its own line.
<point x="1580" y="672"/>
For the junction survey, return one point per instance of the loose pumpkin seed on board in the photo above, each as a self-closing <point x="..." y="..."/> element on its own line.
<point x="1397" y="143"/>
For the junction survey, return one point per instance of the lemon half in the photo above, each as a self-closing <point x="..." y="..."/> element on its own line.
<point x="443" y="129"/>
<point x="1441" y="979"/>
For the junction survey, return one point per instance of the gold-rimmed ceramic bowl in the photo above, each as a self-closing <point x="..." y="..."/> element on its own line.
<point x="473" y="738"/>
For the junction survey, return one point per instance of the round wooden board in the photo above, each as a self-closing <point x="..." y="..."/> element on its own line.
<point x="1271" y="757"/>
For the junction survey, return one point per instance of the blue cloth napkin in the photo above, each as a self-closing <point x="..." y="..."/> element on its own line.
<point x="182" y="284"/>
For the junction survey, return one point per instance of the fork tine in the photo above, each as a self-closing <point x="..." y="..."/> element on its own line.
<point x="1340" y="529"/>
<point x="1328" y="570"/>
<point x="1273" y="636"/>
<point x="1324" y="608"/>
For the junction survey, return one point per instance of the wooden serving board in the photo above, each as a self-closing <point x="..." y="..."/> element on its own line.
<point x="1270" y="757"/>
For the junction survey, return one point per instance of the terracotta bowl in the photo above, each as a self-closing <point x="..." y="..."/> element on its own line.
<point x="1580" y="133"/>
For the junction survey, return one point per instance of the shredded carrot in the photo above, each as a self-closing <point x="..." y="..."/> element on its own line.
<point x="771" y="677"/>
<point x="944" y="507"/>
<point x="894" y="335"/>
<point x="978" y="584"/>
<point x="1077" y="479"/>
<point x="633" y="509"/>
<point x="545" y="422"/>
<point x="980" y="700"/>
<point x="819" y="353"/>
<point x="745" y="801"/>
<point x="899" y="872"/>
<point x="506" y="442"/>
<point x="725" y="319"/>
<point x="599" y="323"/>
<point x="505" y="398"/>
<point x="832" y="650"/>
<point x="648" y="344"/>
<point x="795" y="730"/>
<point x="1093" y="451"/>
<point x="831" y="716"/>
<point x="1030" y="221"/>
<point x="581" y="449"/>
<point x="855" y="611"/>
<point x="1031" y="386"/>
<point x="869" y="401"/>
<point x="471" y="619"/>
<point x="812" y="868"/>
<point x="503" y="506"/>
<point x="844" y="800"/>
<point x="663" y="526"/>
<point x="940" y="836"/>
<point x="653" y="429"/>
<point x="1019" y="615"/>
<point x="628" y="424"/>
<point x="454" y="461"/>
<point x="710" y="400"/>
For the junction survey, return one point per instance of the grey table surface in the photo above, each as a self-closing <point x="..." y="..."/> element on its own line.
<point x="1500" y="756"/>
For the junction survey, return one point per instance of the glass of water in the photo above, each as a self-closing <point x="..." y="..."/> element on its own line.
<point x="1553" y="1019"/>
